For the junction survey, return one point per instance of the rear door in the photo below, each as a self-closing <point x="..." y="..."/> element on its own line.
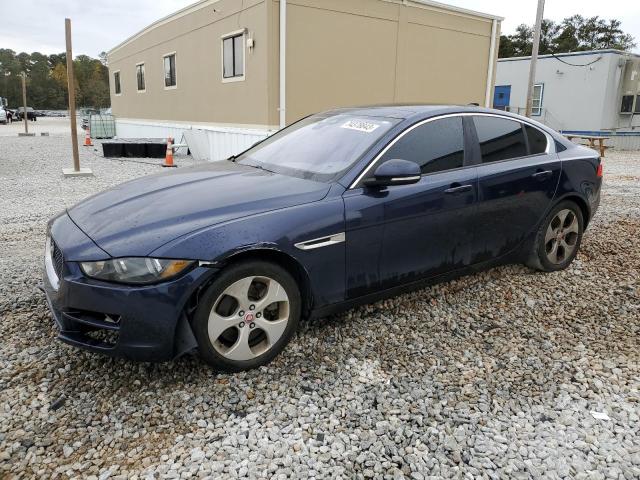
<point x="518" y="174"/>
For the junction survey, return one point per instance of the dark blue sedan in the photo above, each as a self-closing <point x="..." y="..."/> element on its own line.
<point x="339" y="209"/>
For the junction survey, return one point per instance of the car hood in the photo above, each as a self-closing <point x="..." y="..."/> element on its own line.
<point x="137" y="217"/>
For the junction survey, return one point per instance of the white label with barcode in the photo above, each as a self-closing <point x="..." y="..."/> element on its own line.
<point x="361" y="126"/>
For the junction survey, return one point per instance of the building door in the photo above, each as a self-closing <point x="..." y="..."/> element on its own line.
<point x="502" y="97"/>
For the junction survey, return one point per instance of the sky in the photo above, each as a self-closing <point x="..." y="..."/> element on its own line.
<point x="38" y="25"/>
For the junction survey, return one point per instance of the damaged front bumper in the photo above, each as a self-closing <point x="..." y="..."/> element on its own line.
<point x="143" y="323"/>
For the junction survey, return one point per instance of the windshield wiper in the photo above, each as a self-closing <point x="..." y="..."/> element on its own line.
<point x="232" y="158"/>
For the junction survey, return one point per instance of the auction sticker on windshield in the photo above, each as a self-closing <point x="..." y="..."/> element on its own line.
<point x="361" y="126"/>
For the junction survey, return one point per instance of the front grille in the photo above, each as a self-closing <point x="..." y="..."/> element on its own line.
<point x="57" y="258"/>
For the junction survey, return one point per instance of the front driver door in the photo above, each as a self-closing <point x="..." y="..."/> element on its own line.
<point x="404" y="233"/>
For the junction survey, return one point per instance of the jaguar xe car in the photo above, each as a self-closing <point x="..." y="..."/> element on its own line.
<point x="339" y="209"/>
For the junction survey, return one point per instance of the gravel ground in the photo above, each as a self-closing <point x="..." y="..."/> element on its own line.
<point x="494" y="375"/>
<point x="47" y="125"/>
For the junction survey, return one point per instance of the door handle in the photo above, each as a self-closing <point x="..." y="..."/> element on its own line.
<point x="456" y="188"/>
<point x="541" y="175"/>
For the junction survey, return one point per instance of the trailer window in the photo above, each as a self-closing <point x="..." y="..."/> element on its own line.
<point x="627" y="104"/>
<point x="538" y="92"/>
<point x="116" y="83"/>
<point x="233" y="57"/>
<point x="140" y="77"/>
<point x="170" y="70"/>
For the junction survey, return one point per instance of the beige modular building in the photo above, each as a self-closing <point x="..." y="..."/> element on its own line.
<point x="226" y="73"/>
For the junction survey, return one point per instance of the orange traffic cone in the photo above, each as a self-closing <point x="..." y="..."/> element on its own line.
<point x="168" y="158"/>
<point x="87" y="138"/>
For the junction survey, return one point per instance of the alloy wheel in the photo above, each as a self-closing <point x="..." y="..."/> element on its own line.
<point x="248" y="318"/>
<point x="561" y="238"/>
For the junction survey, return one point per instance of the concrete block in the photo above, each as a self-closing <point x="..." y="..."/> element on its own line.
<point x="83" y="172"/>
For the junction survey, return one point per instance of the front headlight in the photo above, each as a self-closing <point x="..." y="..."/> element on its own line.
<point x="135" y="270"/>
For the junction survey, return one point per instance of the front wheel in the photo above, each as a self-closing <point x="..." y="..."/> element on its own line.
<point x="247" y="316"/>
<point x="558" y="239"/>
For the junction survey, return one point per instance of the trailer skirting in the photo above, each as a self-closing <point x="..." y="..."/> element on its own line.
<point x="206" y="142"/>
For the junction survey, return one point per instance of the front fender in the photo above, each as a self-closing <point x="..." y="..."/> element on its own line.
<point x="277" y="230"/>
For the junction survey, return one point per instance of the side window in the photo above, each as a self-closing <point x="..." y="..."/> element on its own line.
<point x="500" y="139"/>
<point x="233" y="56"/>
<point x="538" y="91"/>
<point x="435" y="146"/>
<point x="116" y="83"/>
<point x="140" y="77"/>
<point x="537" y="140"/>
<point x="170" y="70"/>
<point x="627" y="104"/>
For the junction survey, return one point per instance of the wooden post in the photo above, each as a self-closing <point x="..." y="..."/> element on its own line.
<point x="25" y="117"/>
<point x="72" y="108"/>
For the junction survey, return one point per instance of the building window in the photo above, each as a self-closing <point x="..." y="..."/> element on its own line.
<point x="627" y="104"/>
<point x="140" y="77"/>
<point x="233" y="57"/>
<point x="637" y="109"/>
<point x="538" y="91"/>
<point x="170" y="70"/>
<point x="116" y="83"/>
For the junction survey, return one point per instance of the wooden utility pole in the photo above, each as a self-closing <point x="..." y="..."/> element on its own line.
<point x="25" y="117"/>
<point x="72" y="108"/>
<point x="534" y="57"/>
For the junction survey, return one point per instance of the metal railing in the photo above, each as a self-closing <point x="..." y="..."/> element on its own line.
<point x="545" y="116"/>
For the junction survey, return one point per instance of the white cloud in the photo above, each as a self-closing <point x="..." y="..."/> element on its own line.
<point x="38" y="25"/>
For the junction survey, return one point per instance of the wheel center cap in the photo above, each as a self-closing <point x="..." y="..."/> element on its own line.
<point x="249" y="317"/>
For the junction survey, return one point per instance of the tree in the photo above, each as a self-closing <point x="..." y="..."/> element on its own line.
<point x="47" y="80"/>
<point x="573" y="34"/>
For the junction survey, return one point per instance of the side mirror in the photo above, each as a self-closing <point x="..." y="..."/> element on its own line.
<point x="395" y="172"/>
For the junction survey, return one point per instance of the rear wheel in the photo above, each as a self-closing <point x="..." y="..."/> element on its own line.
<point x="558" y="239"/>
<point x="247" y="316"/>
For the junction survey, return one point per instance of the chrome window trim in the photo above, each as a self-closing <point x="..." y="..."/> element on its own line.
<point x="322" y="241"/>
<point x="373" y="162"/>
<point x="406" y="179"/>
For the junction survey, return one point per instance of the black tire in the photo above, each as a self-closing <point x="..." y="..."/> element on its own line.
<point x="214" y="292"/>
<point x="539" y="258"/>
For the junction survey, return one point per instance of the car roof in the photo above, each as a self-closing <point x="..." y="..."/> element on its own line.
<point x="418" y="112"/>
<point x="399" y="111"/>
<point x="414" y="113"/>
<point x="408" y="111"/>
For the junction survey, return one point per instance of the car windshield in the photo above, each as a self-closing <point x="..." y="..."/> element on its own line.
<point x="320" y="147"/>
